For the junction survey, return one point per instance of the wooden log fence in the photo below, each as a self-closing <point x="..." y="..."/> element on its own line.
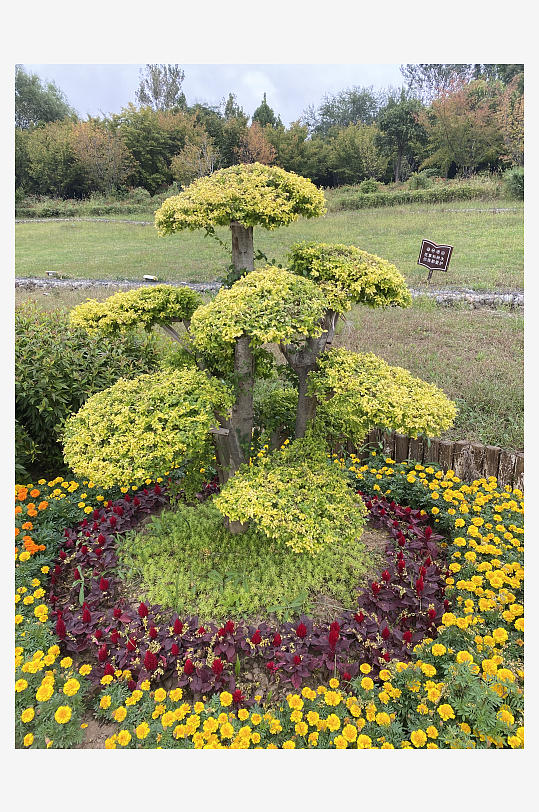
<point x="467" y="459"/>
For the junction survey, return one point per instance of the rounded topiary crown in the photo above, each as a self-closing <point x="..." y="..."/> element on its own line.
<point x="250" y="194"/>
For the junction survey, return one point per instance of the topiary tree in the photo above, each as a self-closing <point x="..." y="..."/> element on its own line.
<point x="157" y="422"/>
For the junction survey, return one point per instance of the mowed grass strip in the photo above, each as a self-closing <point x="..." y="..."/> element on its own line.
<point x="488" y="246"/>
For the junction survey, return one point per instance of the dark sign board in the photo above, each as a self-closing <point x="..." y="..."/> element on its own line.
<point x="434" y="257"/>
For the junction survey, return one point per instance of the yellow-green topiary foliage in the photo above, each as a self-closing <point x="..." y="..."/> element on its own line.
<point x="269" y="305"/>
<point x="140" y="307"/>
<point x="297" y="496"/>
<point x="364" y="392"/>
<point x="347" y="274"/>
<point x="141" y="428"/>
<point x="251" y="194"/>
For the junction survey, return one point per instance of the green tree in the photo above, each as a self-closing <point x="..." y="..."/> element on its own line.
<point x="400" y="129"/>
<point x="150" y="425"/>
<point x="160" y="87"/>
<point x="264" y="115"/>
<point x="37" y="102"/>
<point x="102" y="154"/>
<point x="355" y="154"/>
<point x="355" y="105"/>
<point x="53" y="167"/>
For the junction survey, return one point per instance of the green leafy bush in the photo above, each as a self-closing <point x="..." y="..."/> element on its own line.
<point x="514" y="182"/>
<point x="356" y="200"/>
<point x="57" y="367"/>
<point x="420" y="180"/>
<point x="368" y="186"/>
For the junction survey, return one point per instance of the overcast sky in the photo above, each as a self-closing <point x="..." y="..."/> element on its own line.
<point x="289" y="89"/>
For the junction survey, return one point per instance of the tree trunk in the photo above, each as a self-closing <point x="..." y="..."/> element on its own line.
<point x="242" y="247"/>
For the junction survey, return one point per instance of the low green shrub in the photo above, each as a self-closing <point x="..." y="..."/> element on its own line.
<point x="57" y="367"/>
<point x="368" y="186"/>
<point x="514" y="182"/>
<point x="443" y="194"/>
<point x="191" y="563"/>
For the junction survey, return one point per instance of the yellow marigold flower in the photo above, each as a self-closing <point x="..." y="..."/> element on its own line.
<point x="275" y="726"/>
<point x="176" y="694"/>
<point x="71" y="687"/>
<point x="107" y="679"/>
<point x="295" y="702"/>
<point x="119" y="714"/>
<point x="422" y="708"/>
<point x="489" y="667"/>
<point x="289" y="745"/>
<point x="431" y="732"/>
<point x="384" y="675"/>
<point x="365" y="668"/>
<point x="312" y="718"/>
<point x="301" y="728"/>
<point x="370" y="712"/>
<point x="84" y="670"/>
<point x="464" y="657"/>
<point x="160" y="695"/>
<point x="142" y="730"/>
<point x="401" y="667"/>
<point x="333" y="722"/>
<point x="168" y="719"/>
<point x="27" y="715"/>
<point x="226" y="699"/>
<point x="67" y="662"/>
<point x="514" y="742"/>
<point x="333" y="698"/>
<point x="105" y="702"/>
<point x="418" y="738"/>
<point x="124" y="737"/>
<point x="364" y="742"/>
<point x="340" y="742"/>
<point x="29" y="739"/>
<point x="428" y="669"/>
<point x="438" y="649"/>
<point x="465" y="728"/>
<point x="446" y="712"/>
<point x="449" y="619"/>
<point x="383" y="719"/>
<point x="367" y="684"/>
<point x="334" y="683"/>
<point x="433" y="694"/>
<point x="256" y="719"/>
<point x="296" y="716"/>
<point x="519" y="624"/>
<point x="243" y="714"/>
<point x="227" y="731"/>
<point x="44" y="693"/>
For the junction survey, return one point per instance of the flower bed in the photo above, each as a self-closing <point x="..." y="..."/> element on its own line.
<point x="425" y="661"/>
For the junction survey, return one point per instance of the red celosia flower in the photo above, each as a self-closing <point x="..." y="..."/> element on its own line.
<point x="150" y="661"/>
<point x="407" y="636"/>
<point x="60" y="628"/>
<point x="419" y="585"/>
<point x="217" y="666"/>
<point x="346" y="676"/>
<point x="109" y="670"/>
<point x="385" y="633"/>
<point x="386" y="656"/>
<point x="334" y="627"/>
<point x="117" y="612"/>
<point x="174" y="650"/>
<point x="375" y="588"/>
<point x="188" y="667"/>
<point x="112" y="521"/>
<point x="386" y="576"/>
<point x="157" y="489"/>
<point x="153" y="632"/>
<point x="95" y="514"/>
<point x="76" y="575"/>
<point x="221" y="632"/>
<point x="201" y="630"/>
<point x="143" y="610"/>
<point x="57" y="569"/>
<point x="422" y="571"/>
<point x="401" y="564"/>
<point x="101" y="539"/>
<point x="256" y="638"/>
<point x="114" y="636"/>
<point x="297" y="659"/>
<point x="103" y="584"/>
<point x="446" y="604"/>
<point x="63" y="555"/>
<point x="428" y="562"/>
<point x="136" y="501"/>
<point x="98" y="552"/>
<point x="428" y="532"/>
<point x="277" y="640"/>
<point x="270" y="666"/>
<point x="103" y="653"/>
<point x="127" y="498"/>
<point x="229" y="626"/>
<point x="84" y="523"/>
<point x="84" y="549"/>
<point x="131" y="645"/>
<point x="131" y="684"/>
<point x="301" y="631"/>
<point x="237" y="697"/>
<point x="145" y="491"/>
<point x="360" y="618"/>
<point x="432" y="613"/>
<point x="333" y="637"/>
<point x="98" y="634"/>
<point x="178" y="626"/>
<point x="401" y="540"/>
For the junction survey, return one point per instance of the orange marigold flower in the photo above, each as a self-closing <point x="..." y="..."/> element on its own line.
<point x="32" y="512"/>
<point x="34" y="493"/>
<point x="18" y="509"/>
<point x="27" y="526"/>
<point x="43" y="506"/>
<point x="17" y="531"/>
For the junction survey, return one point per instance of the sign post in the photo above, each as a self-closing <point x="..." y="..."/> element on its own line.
<point x="434" y="257"/>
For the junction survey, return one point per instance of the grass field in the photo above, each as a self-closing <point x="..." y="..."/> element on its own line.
<point x="488" y="245"/>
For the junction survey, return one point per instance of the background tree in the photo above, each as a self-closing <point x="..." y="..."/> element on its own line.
<point x="463" y="127"/>
<point x="510" y="118"/>
<point x="53" y="167"/>
<point x="356" y="105"/>
<point x="38" y="102"/>
<point x="103" y="155"/>
<point x="355" y="154"/>
<point x="401" y="131"/>
<point x="160" y="87"/>
<point x="198" y="158"/>
<point x="427" y="82"/>
<point x="265" y="116"/>
<point x="254" y="147"/>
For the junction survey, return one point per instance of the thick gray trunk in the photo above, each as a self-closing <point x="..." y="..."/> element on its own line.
<point x="242" y="247"/>
<point x="305" y="361"/>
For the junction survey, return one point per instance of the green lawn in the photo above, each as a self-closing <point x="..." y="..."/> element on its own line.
<point x="488" y="246"/>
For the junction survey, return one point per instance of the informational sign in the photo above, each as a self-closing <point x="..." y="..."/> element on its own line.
<point x="434" y="257"/>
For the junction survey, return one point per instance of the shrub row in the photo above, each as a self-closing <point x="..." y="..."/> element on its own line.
<point x="358" y="200"/>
